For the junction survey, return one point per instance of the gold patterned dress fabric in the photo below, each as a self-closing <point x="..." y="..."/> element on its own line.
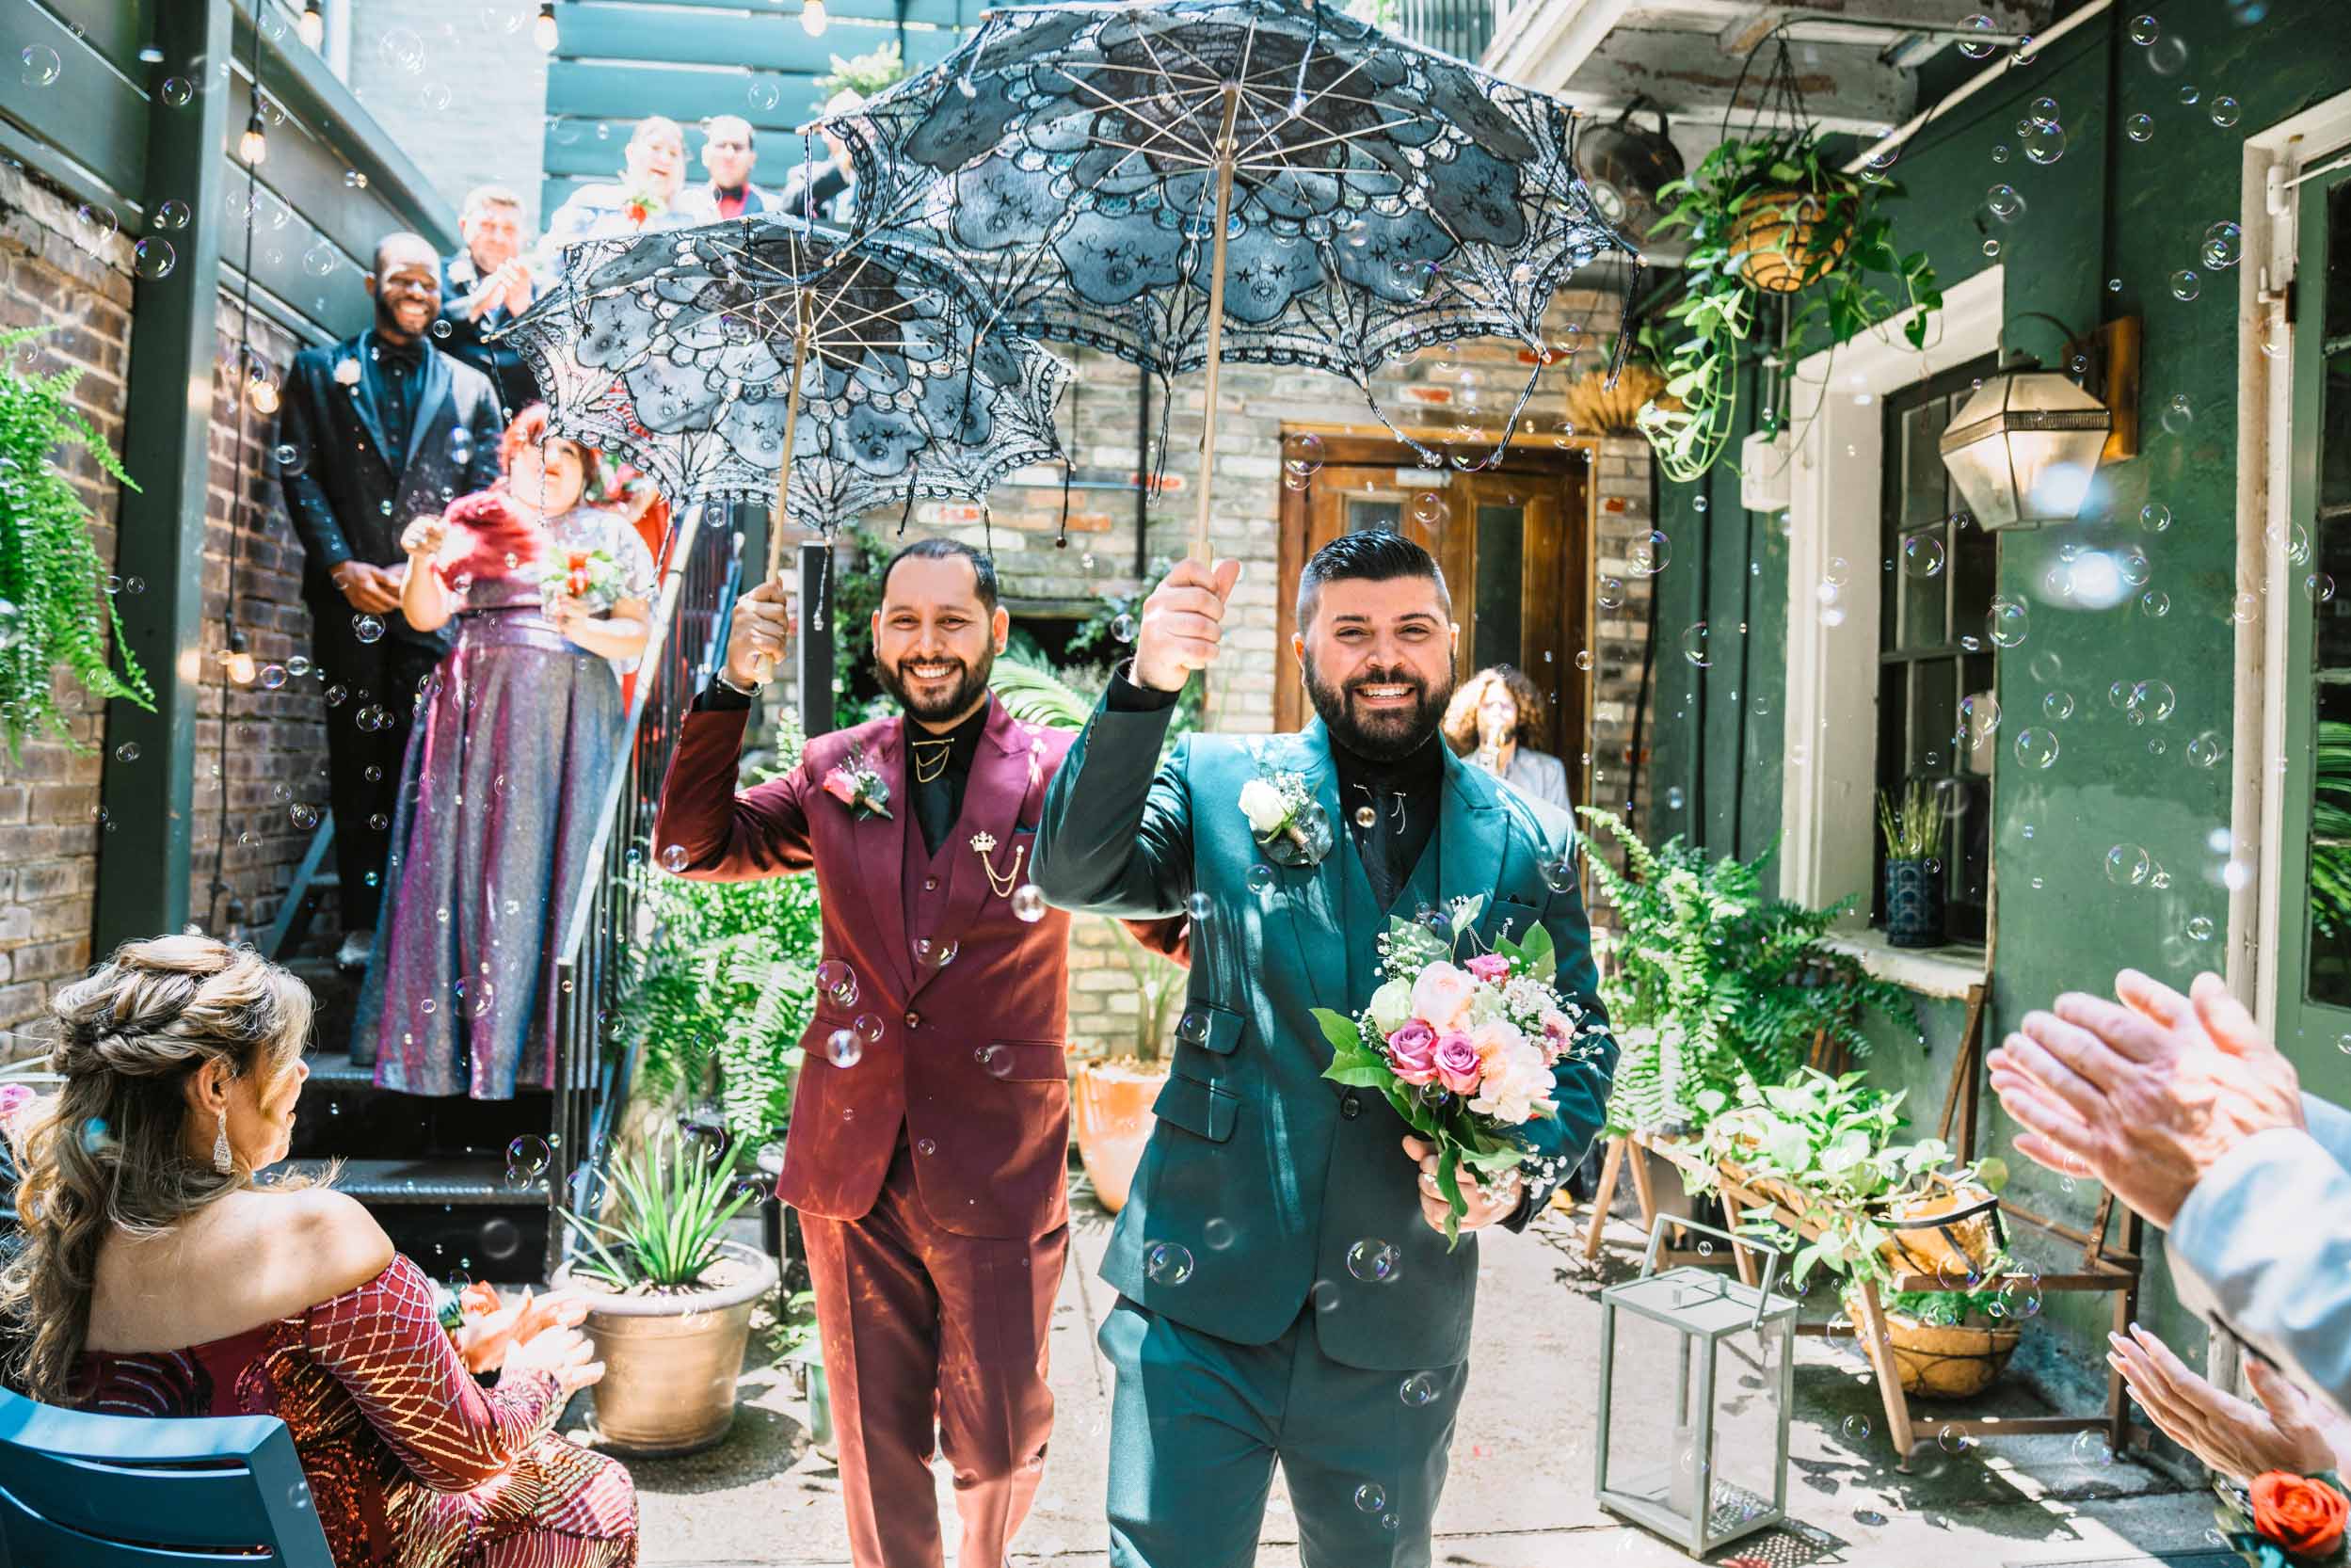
<point x="411" y="1464"/>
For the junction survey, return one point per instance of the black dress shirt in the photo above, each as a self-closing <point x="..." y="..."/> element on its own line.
<point x="937" y="768"/>
<point x="395" y="384"/>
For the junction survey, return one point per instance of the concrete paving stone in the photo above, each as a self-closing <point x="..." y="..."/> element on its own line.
<point x="1521" y="1490"/>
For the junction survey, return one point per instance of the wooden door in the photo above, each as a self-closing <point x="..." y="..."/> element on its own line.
<point x="1513" y="543"/>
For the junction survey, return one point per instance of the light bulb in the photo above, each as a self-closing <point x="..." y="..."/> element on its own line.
<point x="253" y="147"/>
<point x="812" y="18"/>
<point x="262" y="395"/>
<point x="240" y="667"/>
<point x="543" y="31"/>
<point x="312" y="26"/>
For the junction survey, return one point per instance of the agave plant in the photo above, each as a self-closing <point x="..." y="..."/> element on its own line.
<point x="665" y="1233"/>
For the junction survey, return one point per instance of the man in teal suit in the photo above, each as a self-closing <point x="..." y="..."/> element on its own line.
<point x="1285" y="1289"/>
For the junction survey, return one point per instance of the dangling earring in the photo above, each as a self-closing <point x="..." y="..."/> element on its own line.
<point x="222" y="1162"/>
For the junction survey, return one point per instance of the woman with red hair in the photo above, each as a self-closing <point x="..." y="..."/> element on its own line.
<point x="521" y="723"/>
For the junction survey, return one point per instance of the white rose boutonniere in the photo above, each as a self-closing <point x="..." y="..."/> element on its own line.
<point x="346" y="373"/>
<point x="1287" y="822"/>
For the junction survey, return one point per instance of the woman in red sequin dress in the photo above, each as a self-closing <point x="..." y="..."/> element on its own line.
<point x="157" y="1279"/>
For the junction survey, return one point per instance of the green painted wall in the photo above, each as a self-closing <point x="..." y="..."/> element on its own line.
<point x="2112" y="208"/>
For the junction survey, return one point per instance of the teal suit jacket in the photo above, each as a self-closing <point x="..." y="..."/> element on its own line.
<point x="1263" y="1173"/>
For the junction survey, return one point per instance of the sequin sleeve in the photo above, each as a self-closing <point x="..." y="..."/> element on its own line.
<point x="383" y="1342"/>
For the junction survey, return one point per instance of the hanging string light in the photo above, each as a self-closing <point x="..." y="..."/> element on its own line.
<point x="544" y="32"/>
<point x="812" y="18"/>
<point x="253" y="147"/>
<point x="312" y="26"/>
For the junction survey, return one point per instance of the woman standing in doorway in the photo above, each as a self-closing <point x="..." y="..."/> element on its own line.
<point x="1493" y="719"/>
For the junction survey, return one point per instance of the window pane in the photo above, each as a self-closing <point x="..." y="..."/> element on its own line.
<point x="1922" y="621"/>
<point x="1924" y="477"/>
<point x="1501" y="551"/>
<point x="2330" y="849"/>
<point x="1362" y="516"/>
<point x="2330" y="619"/>
<point x="2338" y="254"/>
<point x="1934" y="715"/>
<point x="1974" y="569"/>
<point x="2334" y="447"/>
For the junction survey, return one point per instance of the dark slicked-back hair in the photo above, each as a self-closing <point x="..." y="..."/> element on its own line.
<point x="982" y="566"/>
<point x="1374" y="555"/>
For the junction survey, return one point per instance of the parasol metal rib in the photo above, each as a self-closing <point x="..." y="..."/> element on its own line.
<point x="783" y="469"/>
<point x="1216" y="313"/>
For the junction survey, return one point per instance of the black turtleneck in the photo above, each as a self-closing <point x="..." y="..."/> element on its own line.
<point x="395" y="384"/>
<point x="937" y="768"/>
<point x="1391" y="810"/>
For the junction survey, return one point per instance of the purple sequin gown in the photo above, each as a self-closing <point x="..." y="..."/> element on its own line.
<point x="519" y="729"/>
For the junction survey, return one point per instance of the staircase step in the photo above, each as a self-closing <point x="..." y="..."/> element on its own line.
<point x="344" y="1114"/>
<point x="443" y="1181"/>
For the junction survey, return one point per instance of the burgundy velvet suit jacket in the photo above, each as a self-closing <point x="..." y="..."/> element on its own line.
<point x="970" y="1054"/>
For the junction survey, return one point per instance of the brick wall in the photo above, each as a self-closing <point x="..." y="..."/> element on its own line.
<point x="461" y="87"/>
<point x="49" y="825"/>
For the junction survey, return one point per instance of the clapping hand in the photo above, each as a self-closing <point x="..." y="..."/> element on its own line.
<point x="1487" y="1204"/>
<point x="562" y="1350"/>
<point x="493" y="1328"/>
<point x="2145" y="1096"/>
<point x="425" y="536"/>
<point x="2236" y="1438"/>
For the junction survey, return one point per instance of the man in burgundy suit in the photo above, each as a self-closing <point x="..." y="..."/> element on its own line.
<point x="929" y="1130"/>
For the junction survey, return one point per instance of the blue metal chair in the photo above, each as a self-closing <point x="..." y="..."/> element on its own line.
<point x="82" y="1491"/>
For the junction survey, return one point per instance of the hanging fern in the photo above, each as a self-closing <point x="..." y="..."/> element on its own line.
<point x="57" y="612"/>
<point x="1734" y="986"/>
<point x="1035" y="695"/>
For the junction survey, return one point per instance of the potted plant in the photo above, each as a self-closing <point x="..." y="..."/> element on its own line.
<point x="1949" y="1344"/>
<point x="1911" y="823"/>
<point x="1767" y="214"/>
<point x="669" y="1298"/>
<point x="54" y="610"/>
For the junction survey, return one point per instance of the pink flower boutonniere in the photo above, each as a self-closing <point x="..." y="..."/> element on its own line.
<point x="857" y="785"/>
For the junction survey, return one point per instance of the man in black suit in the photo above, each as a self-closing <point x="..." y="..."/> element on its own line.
<point x="383" y="428"/>
<point x="484" y="287"/>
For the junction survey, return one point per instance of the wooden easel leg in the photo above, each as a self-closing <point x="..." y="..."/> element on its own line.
<point x="1644" y="1189"/>
<point x="2118" y="1407"/>
<point x="1603" y="1196"/>
<point x="1879" y="1347"/>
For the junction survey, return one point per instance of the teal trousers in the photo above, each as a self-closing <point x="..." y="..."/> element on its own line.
<point x="1198" y="1422"/>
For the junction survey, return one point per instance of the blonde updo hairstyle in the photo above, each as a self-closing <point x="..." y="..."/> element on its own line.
<point x="109" y="1153"/>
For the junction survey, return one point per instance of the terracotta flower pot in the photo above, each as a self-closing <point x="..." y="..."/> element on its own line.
<point x="1109" y="1110"/>
<point x="671" y="1361"/>
<point x="1774" y="230"/>
<point x="1950" y="1232"/>
<point x="1954" y="1361"/>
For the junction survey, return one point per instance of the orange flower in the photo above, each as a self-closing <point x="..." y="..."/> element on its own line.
<point x="2304" y="1517"/>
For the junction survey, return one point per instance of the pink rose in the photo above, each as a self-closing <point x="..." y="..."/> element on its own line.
<point x="1559" y="1032"/>
<point x="1491" y="967"/>
<point x="1458" y="1063"/>
<point x="1442" y="995"/>
<point x="14" y="1098"/>
<point x="843" y="786"/>
<point x="1412" y="1053"/>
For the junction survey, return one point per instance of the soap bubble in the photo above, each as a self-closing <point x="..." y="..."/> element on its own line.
<point x="2165" y="55"/>
<point x="2154" y="517"/>
<point x="1649" y="555"/>
<point x="2144" y="30"/>
<point x="1922" y="555"/>
<point x="1856" y="1429"/>
<point x="153" y="259"/>
<point x="1420" y="1390"/>
<point x="1373" y="1260"/>
<point x="2127" y="865"/>
<point x="2224" y="244"/>
<point x="1694" y="644"/>
<point x="39" y="64"/>
<point x="1977" y="49"/>
<point x="178" y="91"/>
<point x="367" y="628"/>
<point x="1167" y="1262"/>
<point x="844" y="1049"/>
<point x="2139" y="127"/>
<point x="674" y="858"/>
<point x="1370" y="1497"/>
<point x="1200" y="906"/>
<point x="1028" y="901"/>
<point x="173" y="214"/>
<point x="2044" y="142"/>
<point x="2185" y="285"/>
<point x="2036" y="749"/>
<point x="2226" y="111"/>
<point x="2004" y="201"/>
<point x="530" y="1156"/>
<point x="837" y="982"/>
<point x="1261" y="877"/>
<point x="1123" y="628"/>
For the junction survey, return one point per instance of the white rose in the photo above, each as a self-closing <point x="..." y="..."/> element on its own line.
<point x="1391" y="1004"/>
<point x="1263" y="805"/>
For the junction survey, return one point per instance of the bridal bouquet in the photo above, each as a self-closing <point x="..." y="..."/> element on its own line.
<point x="590" y="576"/>
<point x="1463" y="1050"/>
<point x="2285" y="1520"/>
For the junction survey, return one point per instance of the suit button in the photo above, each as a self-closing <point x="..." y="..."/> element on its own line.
<point x="913" y="1020"/>
<point x="1349" y="1106"/>
<point x="930" y="883"/>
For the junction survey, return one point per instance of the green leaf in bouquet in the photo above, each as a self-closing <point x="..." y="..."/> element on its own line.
<point x="1541" y="953"/>
<point x="1450" y="1185"/>
<point x="1466" y="910"/>
<point x="1342" y="1031"/>
<point x="1357" y="1075"/>
<point x="1992" y="1172"/>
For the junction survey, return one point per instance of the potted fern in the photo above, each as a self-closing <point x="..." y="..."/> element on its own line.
<point x="1911" y="825"/>
<point x="56" y="610"/>
<point x="1110" y="1099"/>
<point x="669" y="1297"/>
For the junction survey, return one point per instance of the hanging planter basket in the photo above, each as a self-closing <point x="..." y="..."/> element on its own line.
<point x="1774" y="231"/>
<point x="1951" y="1231"/>
<point x="1594" y="407"/>
<point x="1944" y="1361"/>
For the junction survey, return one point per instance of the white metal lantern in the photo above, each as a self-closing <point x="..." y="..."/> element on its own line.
<point x="2023" y="447"/>
<point x="1697" y="1372"/>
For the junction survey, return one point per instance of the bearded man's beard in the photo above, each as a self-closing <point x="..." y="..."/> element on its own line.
<point x="1384" y="735"/>
<point x="961" y="693"/>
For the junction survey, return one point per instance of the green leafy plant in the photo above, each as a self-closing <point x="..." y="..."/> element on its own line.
<point x="54" y="610"/>
<point x="1744" y="186"/>
<point x="854" y="592"/>
<point x="725" y="984"/>
<point x="2330" y="830"/>
<point x="864" y="74"/>
<point x="1911" y="822"/>
<point x="1732" y="987"/>
<point x="675" y="1208"/>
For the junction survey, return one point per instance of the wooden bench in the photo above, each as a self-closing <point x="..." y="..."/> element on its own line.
<point x="128" y="1491"/>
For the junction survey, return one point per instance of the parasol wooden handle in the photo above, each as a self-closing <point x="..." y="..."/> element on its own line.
<point x="1224" y="159"/>
<point x="783" y="471"/>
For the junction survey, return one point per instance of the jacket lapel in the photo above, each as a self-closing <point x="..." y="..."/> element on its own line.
<point x="1313" y="900"/>
<point x="428" y="404"/>
<point x="1007" y="774"/>
<point x="354" y="353"/>
<point x="1471" y="838"/>
<point x="881" y="846"/>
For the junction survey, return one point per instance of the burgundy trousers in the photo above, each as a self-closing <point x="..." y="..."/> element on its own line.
<point x="932" y="1342"/>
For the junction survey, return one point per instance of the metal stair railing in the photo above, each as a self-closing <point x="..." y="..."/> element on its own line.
<point x="688" y="632"/>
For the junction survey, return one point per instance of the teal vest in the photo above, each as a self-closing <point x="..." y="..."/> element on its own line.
<point x="1261" y="1178"/>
